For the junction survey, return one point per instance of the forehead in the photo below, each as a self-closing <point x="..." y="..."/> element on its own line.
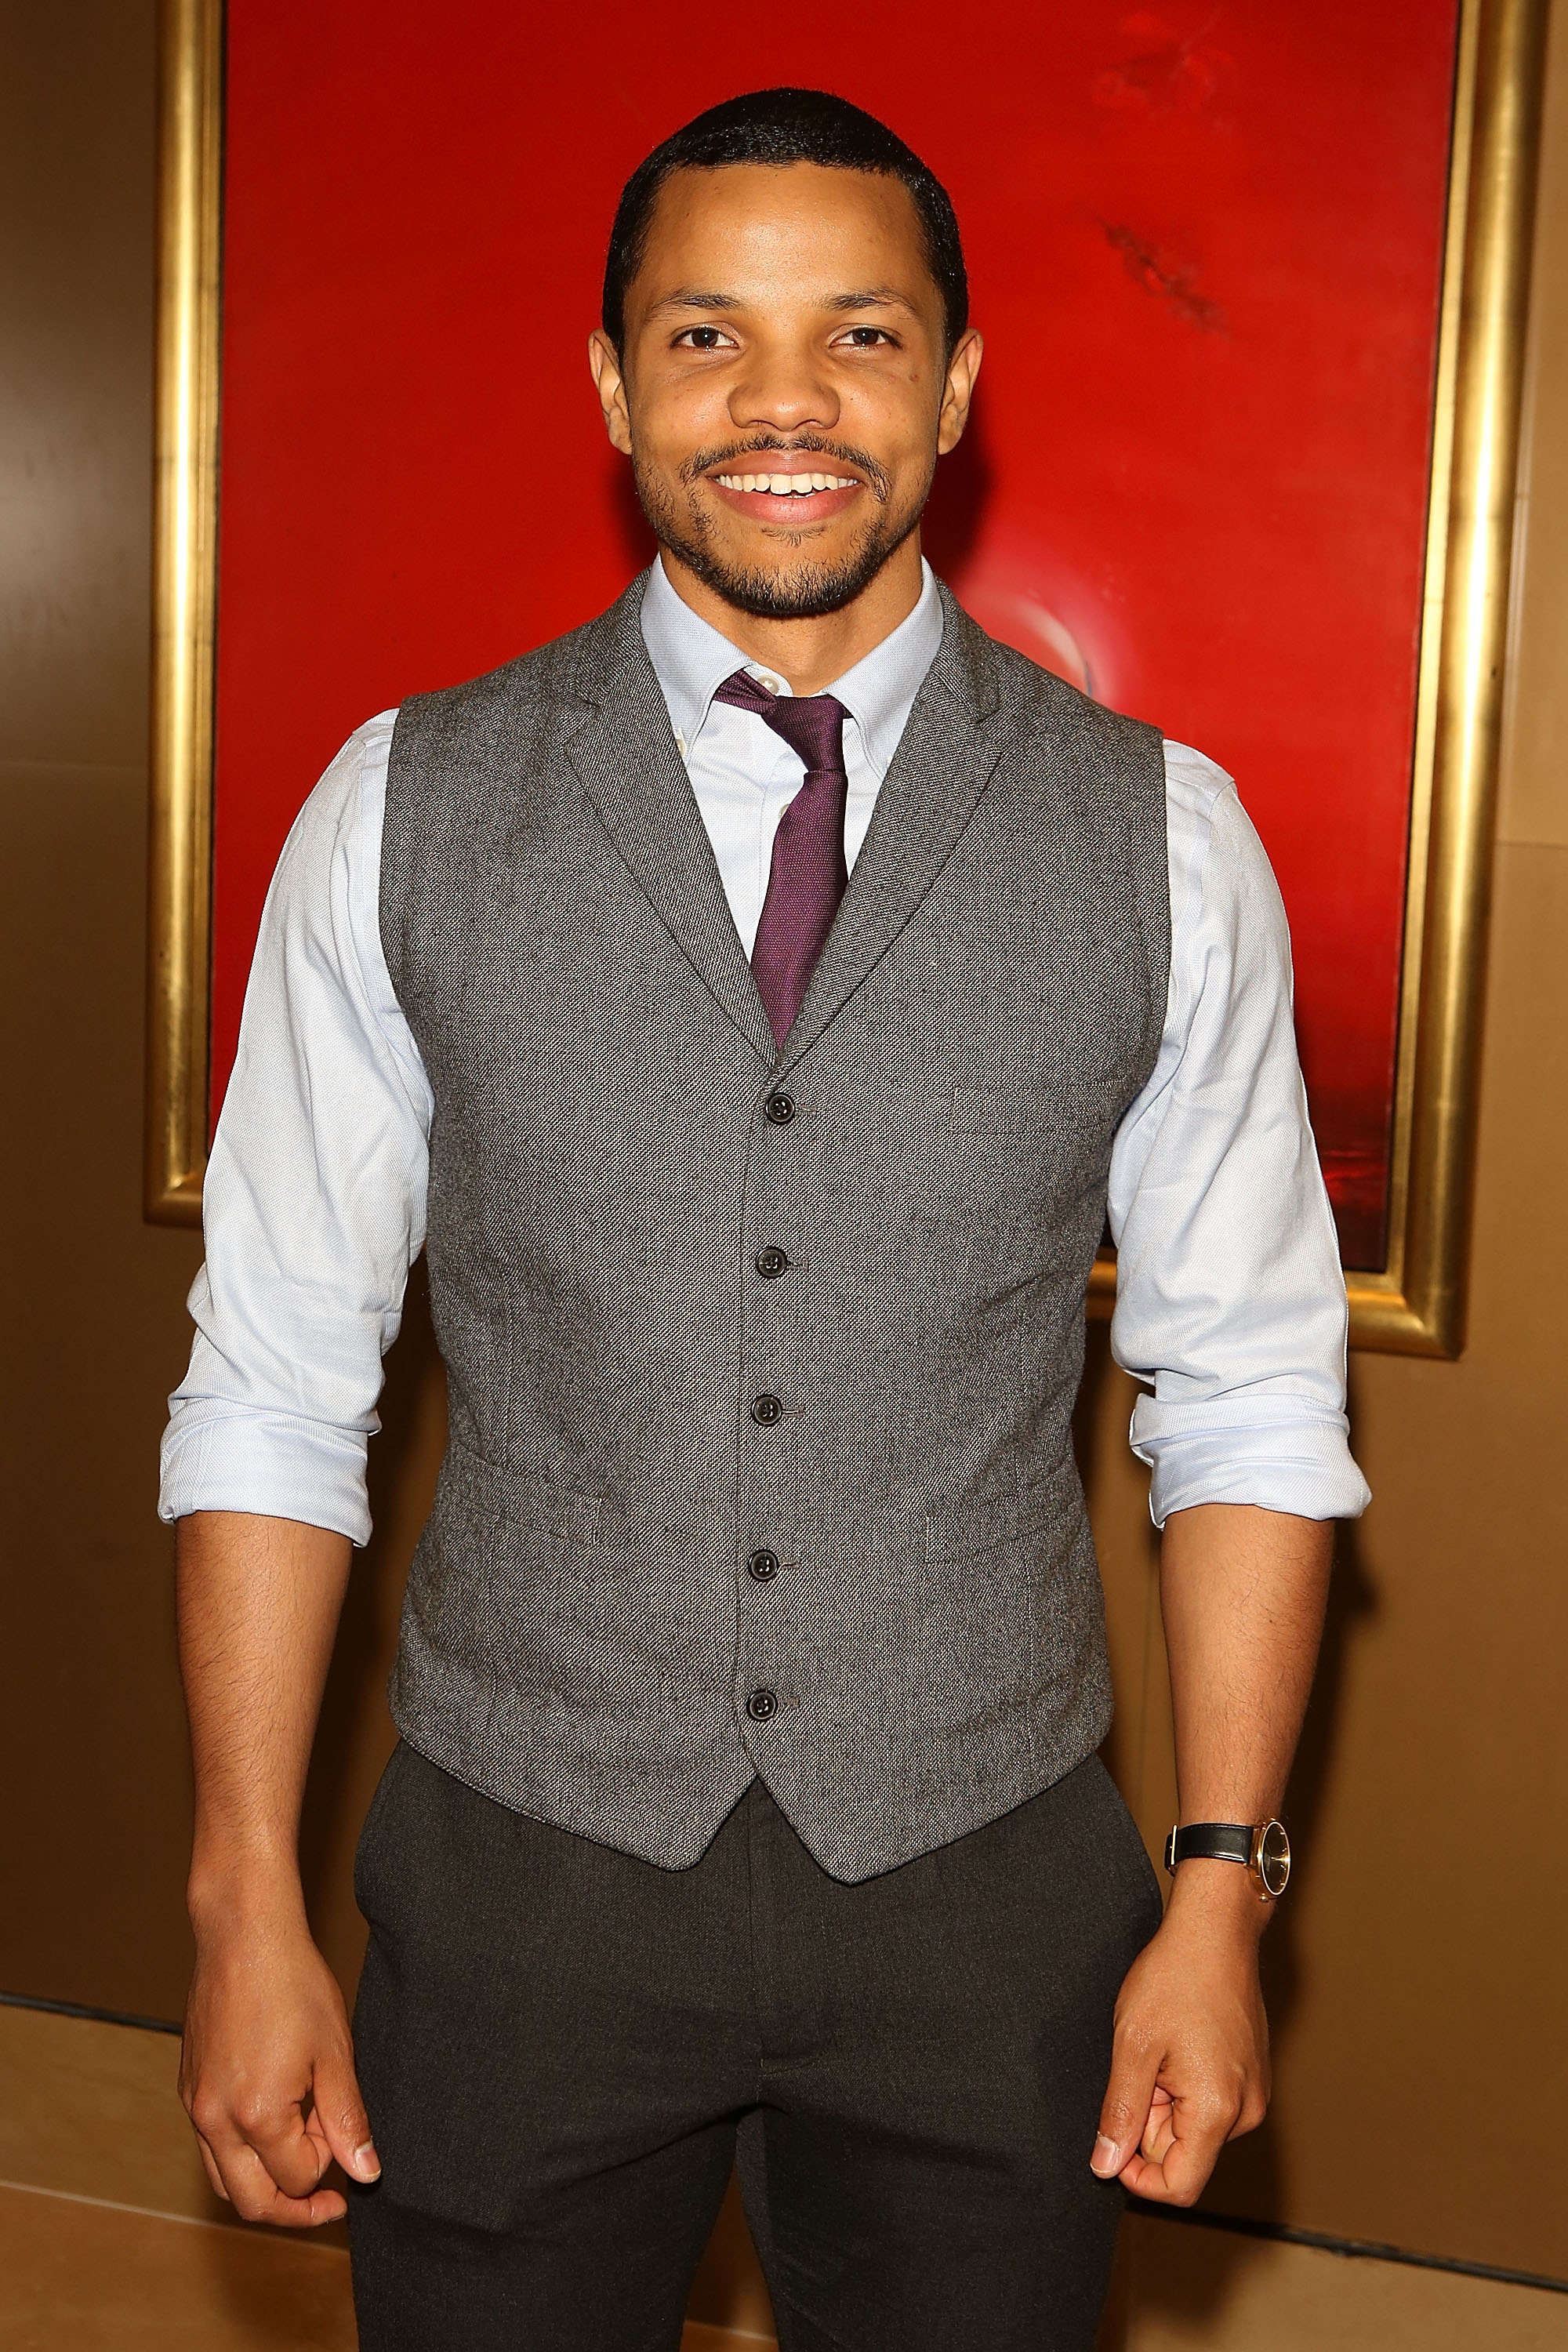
<point x="820" y="229"/>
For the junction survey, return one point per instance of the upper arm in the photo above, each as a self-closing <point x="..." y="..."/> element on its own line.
<point x="1231" y="1303"/>
<point x="314" y="1198"/>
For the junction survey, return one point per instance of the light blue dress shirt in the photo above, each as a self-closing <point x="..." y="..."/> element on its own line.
<point x="1230" y="1304"/>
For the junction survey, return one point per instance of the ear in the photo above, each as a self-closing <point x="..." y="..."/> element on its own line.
<point x="958" y="390"/>
<point x="605" y="365"/>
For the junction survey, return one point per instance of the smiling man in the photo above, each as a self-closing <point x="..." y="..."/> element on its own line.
<point x="755" y="1004"/>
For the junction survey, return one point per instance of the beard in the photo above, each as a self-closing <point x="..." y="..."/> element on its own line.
<point x="801" y="590"/>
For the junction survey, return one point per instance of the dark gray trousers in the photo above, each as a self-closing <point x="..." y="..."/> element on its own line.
<point x="564" y="2049"/>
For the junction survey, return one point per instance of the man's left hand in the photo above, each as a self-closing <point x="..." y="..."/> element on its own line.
<point x="1190" y="2060"/>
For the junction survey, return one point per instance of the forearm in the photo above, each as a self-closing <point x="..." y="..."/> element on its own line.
<point x="1242" y="1591"/>
<point x="259" y="1600"/>
<point x="267" y="2071"/>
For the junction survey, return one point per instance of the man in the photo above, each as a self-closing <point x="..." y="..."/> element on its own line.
<point x="755" y="1003"/>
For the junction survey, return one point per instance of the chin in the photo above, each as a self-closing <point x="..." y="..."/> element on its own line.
<point x="794" y="593"/>
<point x="800" y="587"/>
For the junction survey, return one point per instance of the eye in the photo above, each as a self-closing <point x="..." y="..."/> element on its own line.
<point x="866" y="339"/>
<point x="704" y="339"/>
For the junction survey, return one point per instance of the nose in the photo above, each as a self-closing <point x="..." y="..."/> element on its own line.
<point x="785" y="387"/>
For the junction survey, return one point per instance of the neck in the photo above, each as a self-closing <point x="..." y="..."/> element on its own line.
<point x="810" y="652"/>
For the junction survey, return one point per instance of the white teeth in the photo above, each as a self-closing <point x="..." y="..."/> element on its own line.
<point x="786" y="485"/>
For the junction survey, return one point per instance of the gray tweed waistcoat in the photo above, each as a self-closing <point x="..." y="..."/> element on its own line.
<point x="643" y="1421"/>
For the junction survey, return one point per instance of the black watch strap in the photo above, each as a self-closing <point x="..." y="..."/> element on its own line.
<point x="1210" y="1841"/>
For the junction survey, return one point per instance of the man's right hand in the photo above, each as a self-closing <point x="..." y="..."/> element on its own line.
<point x="267" y="2071"/>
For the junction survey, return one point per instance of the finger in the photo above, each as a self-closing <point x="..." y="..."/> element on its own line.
<point x="209" y="2165"/>
<point x="276" y="2135"/>
<point x="1142" y="2178"/>
<point x="1124" y="2113"/>
<point x="259" y="2199"/>
<point x="1158" y="2133"/>
<point x="1182" y="2172"/>
<point x="1188" y="2162"/>
<point x="241" y="2176"/>
<point x="338" y="2116"/>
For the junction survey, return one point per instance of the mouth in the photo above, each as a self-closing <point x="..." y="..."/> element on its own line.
<point x="796" y="489"/>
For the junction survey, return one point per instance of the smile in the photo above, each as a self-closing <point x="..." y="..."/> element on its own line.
<point x="787" y="486"/>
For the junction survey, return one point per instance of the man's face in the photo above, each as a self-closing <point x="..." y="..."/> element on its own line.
<point x="784" y="389"/>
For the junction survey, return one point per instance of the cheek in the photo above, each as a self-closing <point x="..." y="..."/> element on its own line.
<point x="898" y="412"/>
<point x="673" y="419"/>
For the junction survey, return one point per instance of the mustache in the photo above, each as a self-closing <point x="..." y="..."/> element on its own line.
<point x="802" y="443"/>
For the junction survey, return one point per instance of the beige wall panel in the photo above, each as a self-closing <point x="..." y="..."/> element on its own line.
<point x="1534" y="806"/>
<point x="92" y="1753"/>
<point x="76" y="392"/>
<point x="92" y="1744"/>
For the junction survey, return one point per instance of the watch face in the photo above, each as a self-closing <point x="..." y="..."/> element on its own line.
<point x="1272" y="1857"/>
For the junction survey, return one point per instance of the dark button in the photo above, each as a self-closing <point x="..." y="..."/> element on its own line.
<point x="762" y="1565"/>
<point x="760" y="1705"/>
<point x="770" y="1263"/>
<point x="780" y="1108"/>
<point x="766" y="1410"/>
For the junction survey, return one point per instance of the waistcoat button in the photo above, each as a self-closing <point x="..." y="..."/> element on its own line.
<point x="780" y="1108"/>
<point x="766" y="1410"/>
<point x="760" y="1705"/>
<point x="771" y="1263"/>
<point x="762" y="1565"/>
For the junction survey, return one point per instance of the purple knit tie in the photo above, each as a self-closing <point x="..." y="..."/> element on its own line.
<point x="809" y="875"/>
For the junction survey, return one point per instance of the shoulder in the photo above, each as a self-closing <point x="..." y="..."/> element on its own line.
<point x="1216" y="847"/>
<point x="1194" y="784"/>
<point x="348" y="797"/>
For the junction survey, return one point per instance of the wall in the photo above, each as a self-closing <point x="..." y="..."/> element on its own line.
<point x="92" y="1751"/>
<point x="1415" y="1965"/>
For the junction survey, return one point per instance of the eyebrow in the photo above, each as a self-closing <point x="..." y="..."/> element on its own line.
<point x="869" y="297"/>
<point x="692" y="298"/>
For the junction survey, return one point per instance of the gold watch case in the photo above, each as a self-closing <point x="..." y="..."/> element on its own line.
<point x="1270" y="1867"/>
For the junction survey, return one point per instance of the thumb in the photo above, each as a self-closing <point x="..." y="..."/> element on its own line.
<point x="339" y="2114"/>
<point x="1125" y="2109"/>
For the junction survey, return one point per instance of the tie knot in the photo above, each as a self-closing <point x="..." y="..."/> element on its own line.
<point x="811" y="724"/>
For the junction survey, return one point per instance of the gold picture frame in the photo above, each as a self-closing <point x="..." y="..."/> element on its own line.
<point x="1415" y="1305"/>
<point x="184" y="606"/>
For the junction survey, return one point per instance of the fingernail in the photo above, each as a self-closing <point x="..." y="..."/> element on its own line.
<point x="1104" y="2158"/>
<point x="367" y="2164"/>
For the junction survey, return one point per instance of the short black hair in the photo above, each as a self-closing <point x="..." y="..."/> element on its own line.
<point x="786" y="126"/>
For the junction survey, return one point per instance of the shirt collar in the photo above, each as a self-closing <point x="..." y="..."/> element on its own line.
<point x="692" y="659"/>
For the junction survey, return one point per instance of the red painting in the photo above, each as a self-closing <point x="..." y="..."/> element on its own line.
<point x="1205" y="242"/>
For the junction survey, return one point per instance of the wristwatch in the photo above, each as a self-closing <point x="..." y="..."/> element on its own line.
<point x="1262" y="1849"/>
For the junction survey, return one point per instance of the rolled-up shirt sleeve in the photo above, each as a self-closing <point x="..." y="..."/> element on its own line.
<point x="1230" y="1300"/>
<point x="315" y="1192"/>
